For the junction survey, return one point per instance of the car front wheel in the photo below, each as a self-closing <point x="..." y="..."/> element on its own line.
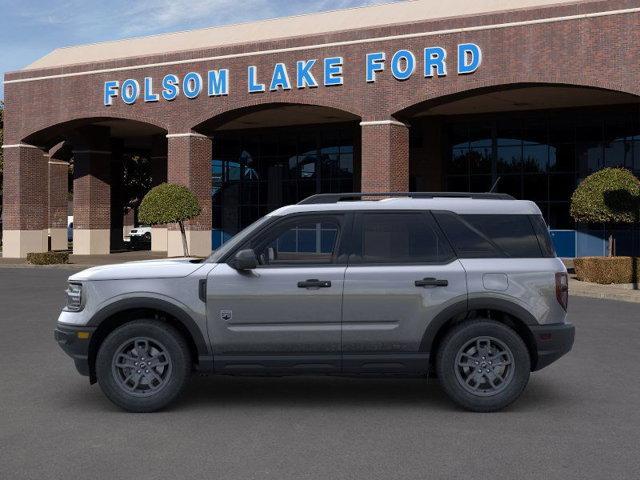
<point x="483" y="365"/>
<point x="143" y="366"/>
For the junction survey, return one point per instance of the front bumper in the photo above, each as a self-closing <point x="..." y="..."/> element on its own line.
<point x="75" y="343"/>
<point x="552" y="342"/>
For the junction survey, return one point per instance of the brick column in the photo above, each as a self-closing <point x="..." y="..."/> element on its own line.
<point x="189" y="164"/>
<point x="58" y="190"/>
<point x="92" y="192"/>
<point x="158" y="175"/>
<point x="385" y="156"/>
<point x="25" y="211"/>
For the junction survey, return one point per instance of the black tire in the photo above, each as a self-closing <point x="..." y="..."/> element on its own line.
<point x="132" y="389"/>
<point x="479" y="394"/>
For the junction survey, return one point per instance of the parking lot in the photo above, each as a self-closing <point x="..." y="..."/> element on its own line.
<point x="579" y="418"/>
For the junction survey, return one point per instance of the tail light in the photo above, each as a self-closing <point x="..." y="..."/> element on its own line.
<point x="562" y="289"/>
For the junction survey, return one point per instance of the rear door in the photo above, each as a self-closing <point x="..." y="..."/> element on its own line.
<point x="401" y="275"/>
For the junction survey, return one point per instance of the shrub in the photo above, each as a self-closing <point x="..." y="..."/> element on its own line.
<point x="611" y="195"/>
<point x="48" y="258"/>
<point x="606" y="270"/>
<point x="169" y="203"/>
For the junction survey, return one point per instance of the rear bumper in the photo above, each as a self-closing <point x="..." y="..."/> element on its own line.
<point x="77" y="347"/>
<point x="552" y="342"/>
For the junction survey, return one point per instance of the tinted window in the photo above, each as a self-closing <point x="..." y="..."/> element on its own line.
<point x="514" y="234"/>
<point x="401" y="238"/>
<point x="304" y="241"/>
<point x="482" y="236"/>
<point x="467" y="241"/>
<point x="544" y="239"/>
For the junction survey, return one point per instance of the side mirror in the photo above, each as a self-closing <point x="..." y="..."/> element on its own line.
<point x="245" y="260"/>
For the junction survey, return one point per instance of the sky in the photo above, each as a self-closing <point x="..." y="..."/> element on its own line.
<point x="29" y="29"/>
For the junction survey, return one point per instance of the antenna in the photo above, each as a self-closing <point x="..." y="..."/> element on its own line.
<point x="495" y="185"/>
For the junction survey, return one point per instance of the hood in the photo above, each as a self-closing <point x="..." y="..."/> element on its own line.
<point x="164" y="268"/>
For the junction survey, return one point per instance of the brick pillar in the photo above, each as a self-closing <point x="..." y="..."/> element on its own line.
<point x="58" y="191"/>
<point x="92" y="192"/>
<point x="25" y="210"/>
<point x="385" y="156"/>
<point x="159" y="175"/>
<point x="189" y="164"/>
<point x="116" y="239"/>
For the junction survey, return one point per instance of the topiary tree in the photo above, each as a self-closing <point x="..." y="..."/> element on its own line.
<point x="611" y="195"/>
<point x="170" y="203"/>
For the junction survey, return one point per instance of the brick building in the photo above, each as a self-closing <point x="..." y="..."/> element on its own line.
<point x="417" y="95"/>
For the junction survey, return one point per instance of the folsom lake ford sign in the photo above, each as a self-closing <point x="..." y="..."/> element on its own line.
<point x="309" y="73"/>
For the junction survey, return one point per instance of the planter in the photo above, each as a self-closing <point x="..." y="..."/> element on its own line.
<point x="606" y="270"/>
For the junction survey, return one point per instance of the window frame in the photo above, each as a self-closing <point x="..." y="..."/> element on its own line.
<point x="341" y="218"/>
<point x="355" y="256"/>
<point x="502" y="253"/>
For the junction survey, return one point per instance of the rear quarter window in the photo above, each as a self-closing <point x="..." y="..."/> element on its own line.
<point x="491" y="236"/>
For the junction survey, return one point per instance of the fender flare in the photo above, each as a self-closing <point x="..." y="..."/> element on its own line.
<point x="464" y="307"/>
<point x="203" y="351"/>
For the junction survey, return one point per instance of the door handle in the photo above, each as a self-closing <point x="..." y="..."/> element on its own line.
<point x="314" y="283"/>
<point x="431" y="282"/>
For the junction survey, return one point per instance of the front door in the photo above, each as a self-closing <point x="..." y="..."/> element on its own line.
<point x="284" y="315"/>
<point x="401" y="275"/>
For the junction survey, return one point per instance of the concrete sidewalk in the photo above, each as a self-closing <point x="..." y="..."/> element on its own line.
<point x="85" y="261"/>
<point x="626" y="292"/>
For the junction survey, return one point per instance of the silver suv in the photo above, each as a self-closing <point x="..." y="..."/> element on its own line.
<point x="465" y="287"/>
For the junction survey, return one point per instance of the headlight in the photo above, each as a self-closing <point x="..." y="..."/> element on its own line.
<point x="74" y="297"/>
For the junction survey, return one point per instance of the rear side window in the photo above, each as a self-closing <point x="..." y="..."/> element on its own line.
<point x="400" y="238"/>
<point x="487" y="236"/>
<point x="544" y="239"/>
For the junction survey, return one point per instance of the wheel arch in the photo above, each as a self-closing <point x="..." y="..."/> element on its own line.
<point x="503" y="311"/>
<point x="126" y="310"/>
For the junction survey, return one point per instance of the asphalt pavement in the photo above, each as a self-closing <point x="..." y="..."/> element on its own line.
<point x="578" y="418"/>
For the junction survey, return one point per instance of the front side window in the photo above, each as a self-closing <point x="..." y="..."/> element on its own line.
<point x="400" y="238"/>
<point x="305" y="241"/>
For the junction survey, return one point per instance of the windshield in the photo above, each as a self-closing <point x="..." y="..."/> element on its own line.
<point x="236" y="240"/>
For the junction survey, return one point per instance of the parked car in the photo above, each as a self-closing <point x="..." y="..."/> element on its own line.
<point x="140" y="238"/>
<point x="69" y="228"/>
<point x="466" y="287"/>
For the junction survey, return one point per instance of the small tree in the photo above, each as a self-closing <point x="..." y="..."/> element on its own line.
<point x="611" y="195"/>
<point x="169" y="203"/>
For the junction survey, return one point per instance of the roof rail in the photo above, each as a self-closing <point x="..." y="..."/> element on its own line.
<point x="340" y="197"/>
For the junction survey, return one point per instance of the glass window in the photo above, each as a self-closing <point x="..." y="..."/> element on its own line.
<point x="397" y="238"/>
<point x="509" y="159"/>
<point x="544" y="239"/>
<point x="305" y="241"/>
<point x="491" y="236"/>
<point x="513" y="234"/>
<point x="467" y="241"/>
<point x="256" y="171"/>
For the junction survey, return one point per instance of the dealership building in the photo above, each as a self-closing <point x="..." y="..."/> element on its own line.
<point x="411" y="96"/>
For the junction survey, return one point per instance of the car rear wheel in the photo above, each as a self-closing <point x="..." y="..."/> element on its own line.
<point x="143" y="365"/>
<point x="483" y="365"/>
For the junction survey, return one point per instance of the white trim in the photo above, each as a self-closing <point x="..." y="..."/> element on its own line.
<point x="20" y="145"/>
<point x="329" y="45"/>
<point x="100" y="152"/>
<point x="58" y="162"/>
<point x="190" y="134"/>
<point x="383" y="122"/>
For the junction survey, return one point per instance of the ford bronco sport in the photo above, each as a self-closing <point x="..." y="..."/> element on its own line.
<point x="465" y="287"/>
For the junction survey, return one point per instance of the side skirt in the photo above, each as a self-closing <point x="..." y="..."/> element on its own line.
<point x="414" y="364"/>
